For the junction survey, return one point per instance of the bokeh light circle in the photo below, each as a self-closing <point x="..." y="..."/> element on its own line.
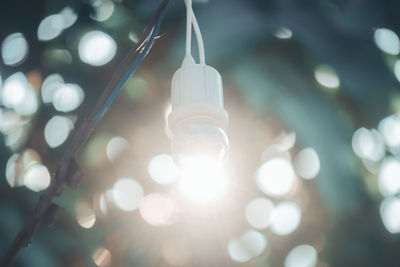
<point x="157" y="209"/>
<point x="249" y="245"/>
<point x="85" y="215"/>
<point x="13" y="171"/>
<point x="368" y="144"/>
<point x="14" y="49"/>
<point x="116" y="146"/>
<point x="50" y="86"/>
<point x="68" y="97"/>
<point x="127" y="194"/>
<point x="162" y="169"/>
<point x="283" y="33"/>
<point x="103" y="10"/>
<point x="390" y="210"/>
<point x="96" y="48"/>
<point x="285" y="217"/>
<point x="102" y="257"/>
<point x="69" y="16"/>
<point x="275" y="177"/>
<point x="389" y="127"/>
<point x="57" y="130"/>
<point x="301" y="256"/>
<point x="306" y="163"/>
<point x="258" y="212"/>
<point x="389" y="176"/>
<point x="326" y="76"/>
<point x="50" y="27"/>
<point x="37" y="177"/>
<point x="14" y="90"/>
<point x="387" y="41"/>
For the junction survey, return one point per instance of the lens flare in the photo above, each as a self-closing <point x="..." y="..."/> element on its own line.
<point x="203" y="179"/>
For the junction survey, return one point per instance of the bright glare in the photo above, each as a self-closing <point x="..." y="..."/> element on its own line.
<point x="251" y="244"/>
<point x="368" y="144"/>
<point x="162" y="169"/>
<point x="389" y="176"/>
<point x="306" y="163"/>
<point x="102" y="257"/>
<point x="116" y="147"/>
<point x="57" y="130"/>
<point x="37" y="177"/>
<point x="203" y="179"/>
<point x="258" y="212"/>
<point x="157" y="209"/>
<point x="283" y="33"/>
<point x="275" y="177"/>
<point x="301" y="256"/>
<point x="85" y="215"/>
<point x="96" y="48"/>
<point x="389" y="127"/>
<point x="127" y="194"/>
<point x="14" y="49"/>
<point x="387" y="41"/>
<point x="285" y="217"/>
<point x="326" y="76"/>
<point x="68" y="97"/>
<point x="50" y="27"/>
<point x="390" y="214"/>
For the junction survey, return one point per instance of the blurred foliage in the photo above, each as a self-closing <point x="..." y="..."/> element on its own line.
<point x="269" y="88"/>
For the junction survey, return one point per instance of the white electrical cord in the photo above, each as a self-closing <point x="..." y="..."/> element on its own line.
<point x="191" y="19"/>
<point x="188" y="27"/>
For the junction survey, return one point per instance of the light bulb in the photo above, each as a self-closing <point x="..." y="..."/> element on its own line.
<point x="198" y="119"/>
<point x="197" y="140"/>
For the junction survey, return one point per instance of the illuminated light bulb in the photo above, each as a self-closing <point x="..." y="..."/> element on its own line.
<point x="197" y="122"/>
<point x="193" y="140"/>
<point x="198" y="119"/>
<point x="203" y="179"/>
<point x="196" y="128"/>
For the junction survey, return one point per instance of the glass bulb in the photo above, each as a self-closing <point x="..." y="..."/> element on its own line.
<point x="199" y="140"/>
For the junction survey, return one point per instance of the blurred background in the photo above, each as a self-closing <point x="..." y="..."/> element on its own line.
<point x="312" y="90"/>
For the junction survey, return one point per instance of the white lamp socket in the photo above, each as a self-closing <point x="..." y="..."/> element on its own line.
<point x="196" y="97"/>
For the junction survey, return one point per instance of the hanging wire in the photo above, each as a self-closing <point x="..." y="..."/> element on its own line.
<point x="188" y="27"/>
<point x="130" y="71"/>
<point x="129" y="62"/>
<point x="192" y="21"/>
